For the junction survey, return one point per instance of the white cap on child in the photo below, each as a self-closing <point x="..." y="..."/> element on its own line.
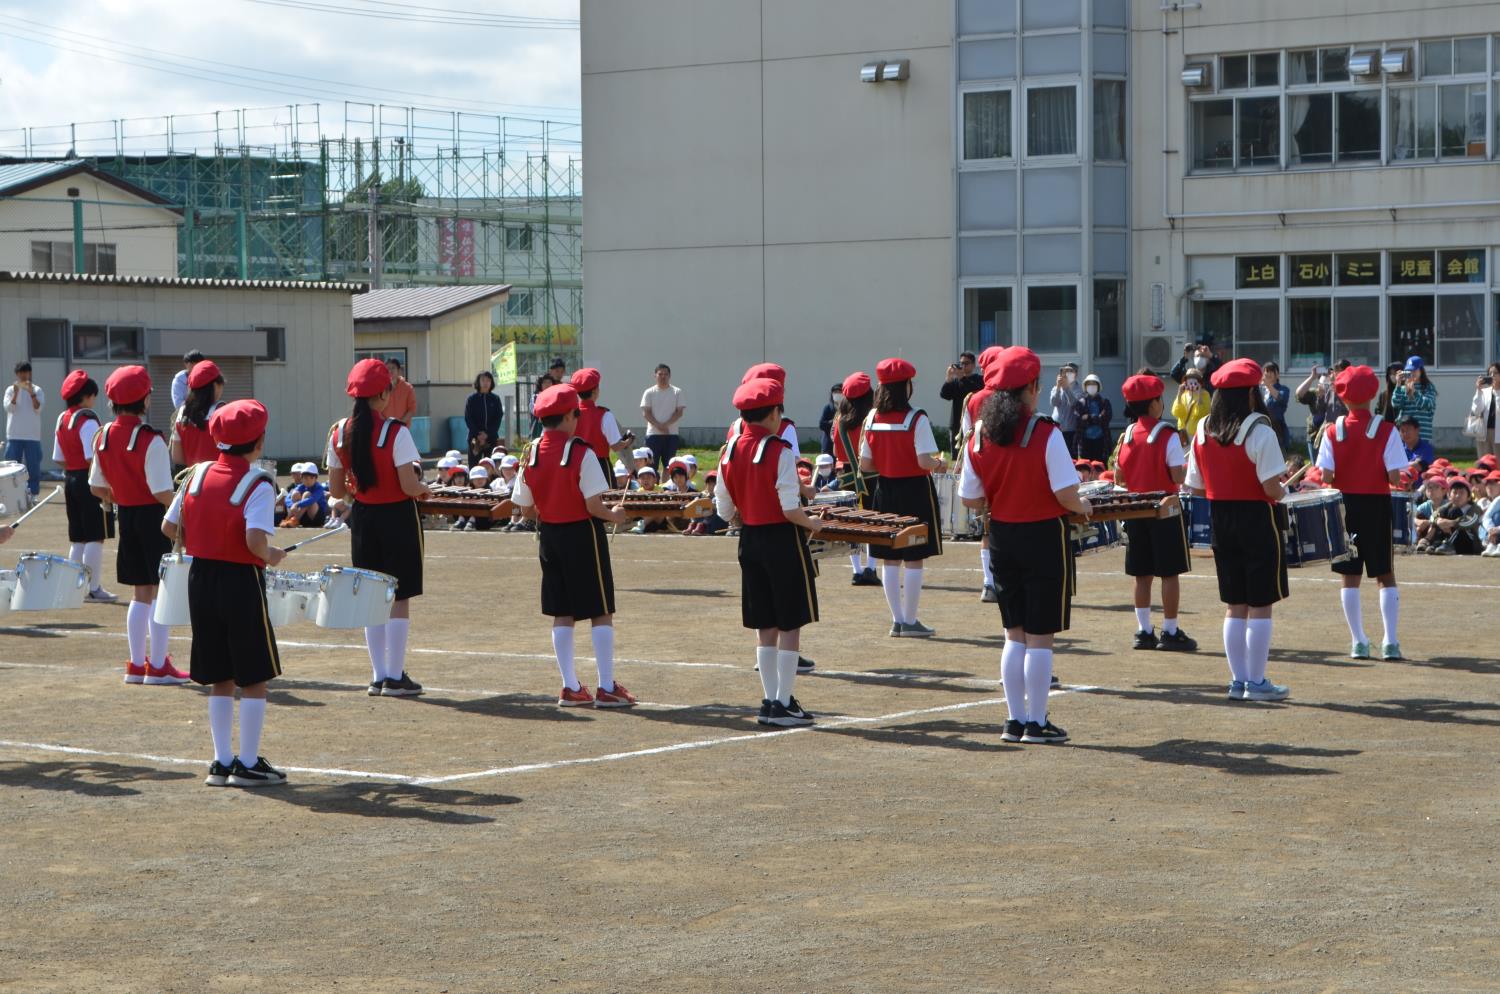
<point x="447" y="462"/>
<point x="642" y="453"/>
<point x="619" y="468"/>
<point x="509" y="462"/>
<point x="824" y="459"/>
<point x="453" y="454"/>
<point x="479" y="473"/>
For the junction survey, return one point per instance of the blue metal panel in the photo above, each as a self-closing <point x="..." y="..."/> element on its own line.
<point x="1047" y="55"/>
<point x="992" y="255"/>
<point x="977" y="17"/>
<point x="987" y="200"/>
<point x="1053" y="198"/>
<point x="1052" y="254"/>
<point x="1110" y="184"/>
<point x="1038" y="14"/>
<point x="994" y="58"/>
<point x="1109" y="53"/>
<point x="1111" y="252"/>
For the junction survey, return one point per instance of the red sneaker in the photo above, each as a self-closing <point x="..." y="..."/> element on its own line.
<point x="134" y="673"/>
<point x="165" y="675"/>
<point x="575" y="698"/>
<point x="617" y="698"/>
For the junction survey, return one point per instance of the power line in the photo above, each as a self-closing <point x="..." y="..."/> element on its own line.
<point x="464" y="20"/>
<point x="564" y="21"/>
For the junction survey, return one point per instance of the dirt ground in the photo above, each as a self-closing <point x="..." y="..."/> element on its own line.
<point x="480" y="839"/>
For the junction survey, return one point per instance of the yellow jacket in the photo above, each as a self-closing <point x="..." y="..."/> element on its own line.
<point x="1189" y="407"/>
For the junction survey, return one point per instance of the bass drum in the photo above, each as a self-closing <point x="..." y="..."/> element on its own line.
<point x="353" y="598"/>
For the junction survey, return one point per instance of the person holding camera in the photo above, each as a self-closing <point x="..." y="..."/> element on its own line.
<point x="23" y="426"/>
<point x="1482" y="424"/>
<point x="1201" y="356"/>
<point x="1323" y="405"/>
<point x="1415" y="396"/>
<point x="1066" y="393"/>
<point x="962" y="380"/>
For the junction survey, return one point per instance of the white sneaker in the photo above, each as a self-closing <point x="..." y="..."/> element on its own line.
<point x="1266" y="691"/>
<point x="101" y="596"/>
<point x="1492" y="551"/>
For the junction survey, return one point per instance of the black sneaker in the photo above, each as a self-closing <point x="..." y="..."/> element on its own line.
<point x="866" y="578"/>
<point x="1055" y="683"/>
<point x="916" y="630"/>
<point x="783" y="718"/>
<point x="1048" y="734"/>
<point x="218" y="774"/>
<point x="1177" y="641"/>
<point x="764" y="718"/>
<point x="795" y="710"/>
<point x="262" y="774"/>
<point x="1013" y="731"/>
<point x="375" y="687"/>
<point x="805" y="665"/>
<point x="404" y="687"/>
<point x="1145" y="640"/>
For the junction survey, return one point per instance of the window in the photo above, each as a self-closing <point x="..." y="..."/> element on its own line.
<point x="1461" y="113"/>
<point x="98" y="341"/>
<point x="1310" y="270"/>
<point x="1257" y="329"/>
<point x="1243" y="132"/>
<point x="1109" y="318"/>
<point x="1438" y="122"/>
<point x="1310" y="330"/>
<point x="1409" y="268"/>
<point x="518" y="239"/>
<point x="1333" y="65"/>
<point x="1460" y="329"/>
<point x="1052" y="120"/>
<point x="1413" y="117"/>
<point x="1461" y="266"/>
<point x="46" y="338"/>
<point x="1109" y="120"/>
<point x="1310" y="128"/>
<point x="57" y="257"/>
<point x="1215" y="318"/>
<point x="1234" y="72"/>
<point x="1259" y="131"/>
<point x="1257" y="272"/>
<point x="1238" y="72"/>
<point x="987" y="317"/>
<point x="384" y="354"/>
<point x="1052" y="318"/>
<point x="1453" y="56"/>
<point x="100" y="258"/>
<point x="275" y="345"/>
<point x="1358" y="268"/>
<point x="1358" y="126"/>
<point x="1213" y="134"/>
<point x="987" y="131"/>
<point x="518" y="304"/>
<point x="1356" y="330"/>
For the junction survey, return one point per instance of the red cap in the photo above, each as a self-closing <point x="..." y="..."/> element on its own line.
<point x="894" y="370"/>
<point x="764" y="371"/>
<point x="1015" y="367"/>
<point x="1108" y="474"/>
<point x="238" y="422"/>
<point x="1440" y="481"/>
<point x="1097" y="466"/>
<point x="1476" y="471"/>
<point x="73" y="382"/>
<point x="1493" y="476"/>
<point x="988" y="356"/>
<point x="203" y="374"/>
<point x="1147" y="386"/>
<point x="368" y="378"/>
<point x="558" y="399"/>
<point x="1486" y="460"/>
<point x="1082" y="464"/>
<point x="856" y="384"/>
<point x="585" y="379"/>
<point x="1442" y="461"/>
<point x="760" y="392"/>
<point x="1237" y="373"/>
<point x="1357" y="385"/>
<point x="127" y="384"/>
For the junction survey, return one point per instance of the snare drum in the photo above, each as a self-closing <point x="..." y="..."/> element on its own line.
<point x="1200" y="520"/>
<point x="7" y="589"/>
<point x="1097" y="537"/>
<point x="13" y="477"/>
<point x="1403" y="521"/>
<point x="353" y="598"/>
<point x="171" y="605"/>
<point x="48" y="583"/>
<point x="1315" y="528"/>
<point x="290" y="597"/>
<point x="835" y="498"/>
<point x="954" y="517"/>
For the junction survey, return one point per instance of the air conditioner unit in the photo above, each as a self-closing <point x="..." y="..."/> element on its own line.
<point x="1161" y="350"/>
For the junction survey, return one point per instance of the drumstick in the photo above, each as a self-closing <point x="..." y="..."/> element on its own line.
<point x="35" y="507"/>
<point x="1292" y="480"/>
<point x="316" y="538"/>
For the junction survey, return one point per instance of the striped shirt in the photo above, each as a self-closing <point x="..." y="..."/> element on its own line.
<point x="1416" y="401"/>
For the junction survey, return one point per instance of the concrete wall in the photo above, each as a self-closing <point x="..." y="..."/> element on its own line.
<point x="140" y="251"/>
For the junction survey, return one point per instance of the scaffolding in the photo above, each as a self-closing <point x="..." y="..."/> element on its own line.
<point x="395" y="196"/>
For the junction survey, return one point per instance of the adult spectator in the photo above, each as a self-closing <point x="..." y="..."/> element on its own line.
<point x="534" y="430"/>
<point x="1417" y="448"/>
<point x="1066" y="392"/>
<point x="1323" y="404"/>
<point x="402" y="406"/>
<point x="180" y="386"/>
<point x="1483" y="424"/>
<point x="1276" y="397"/>
<point x="825" y="420"/>
<point x="1093" y="414"/>
<point x="1383" y="405"/>
<point x="662" y="407"/>
<point x="483" y="416"/>
<point x="1190" y="406"/>
<point x="23" y="426"/>
<point x="961" y="381"/>
<point x="1415" y="396"/>
<point x="558" y="370"/>
<point x="1201" y="356"/>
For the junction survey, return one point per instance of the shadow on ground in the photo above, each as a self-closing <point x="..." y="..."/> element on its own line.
<point x="441" y="806"/>
<point x="1238" y="758"/>
<point x="936" y="734"/>
<point x="529" y="707"/>
<point x="85" y="778"/>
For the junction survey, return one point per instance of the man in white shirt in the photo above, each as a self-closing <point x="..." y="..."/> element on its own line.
<point x="180" y="381"/>
<point x="23" y="426"/>
<point x="662" y="407"/>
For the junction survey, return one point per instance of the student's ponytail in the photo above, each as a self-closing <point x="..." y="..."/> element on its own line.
<point x="361" y="430"/>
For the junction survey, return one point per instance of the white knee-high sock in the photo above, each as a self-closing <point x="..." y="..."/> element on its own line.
<point x="765" y="664"/>
<point x="1013" y="675"/>
<point x="911" y="594"/>
<point x="375" y="643"/>
<point x="221" y="727"/>
<point x="854" y="561"/>
<point x="252" y="720"/>
<point x="1390" y="611"/>
<point x="1038" y="684"/>
<point x="137" y="627"/>
<point x="1353" y="614"/>
<point x="984" y="564"/>
<point x="864" y="557"/>
<point x="604" y="654"/>
<point x="75" y="552"/>
<point x="1257" y="648"/>
<point x="93" y="559"/>
<point x="1234" y="648"/>
<point x="786" y="672"/>
<point x="562" y="646"/>
<point x="160" y="635"/>
<point x="396" y="631"/>
<point x="890" y="581"/>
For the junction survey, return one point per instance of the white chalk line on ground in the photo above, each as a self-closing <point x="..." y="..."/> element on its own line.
<point x="181" y="761"/>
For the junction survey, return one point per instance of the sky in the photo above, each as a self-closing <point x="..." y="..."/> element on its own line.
<point x="67" y="61"/>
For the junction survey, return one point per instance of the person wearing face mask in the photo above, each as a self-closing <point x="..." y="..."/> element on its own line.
<point x="1190" y="406"/>
<point x="1201" y="357"/>
<point x="1065" y="393"/>
<point x="1093" y="413"/>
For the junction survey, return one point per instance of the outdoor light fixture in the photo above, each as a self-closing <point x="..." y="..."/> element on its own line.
<point x="1195" y="74"/>
<point x="882" y="72"/>
<point x="1363" y="63"/>
<point x="1396" y="61"/>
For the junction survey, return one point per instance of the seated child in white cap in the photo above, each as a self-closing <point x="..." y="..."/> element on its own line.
<point x="622" y="476"/>
<point x="824" y="477"/>
<point x="479" y="479"/>
<point x="307" y="504"/>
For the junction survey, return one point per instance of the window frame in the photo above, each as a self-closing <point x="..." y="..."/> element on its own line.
<point x="1076" y="84"/>
<point x="1124" y="83"/>
<point x="518" y="295"/>
<point x="270" y="357"/>
<point x="975" y="284"/>
<point x="1079" y="312"/>
<point x="520" y="230"/>
<point x="998" y="162"/>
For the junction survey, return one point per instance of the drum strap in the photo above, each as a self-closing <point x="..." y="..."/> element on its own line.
<point x="247" y="483"/>
<point x="760" y="450"/>
<point x="1156" y="431"/>
<point x="81" y="413"/>
<point x="385" y="433"/>
<point x="1245" y="426"/>
<point x="199" y="471"/>
<point x="977" y="435"/>
<point x="903" y="425"/>
<point x="568" y="447"/>
<point x="135" y="434"/>
<point x="858" y="477"/>
<point x="1030" y="428"/>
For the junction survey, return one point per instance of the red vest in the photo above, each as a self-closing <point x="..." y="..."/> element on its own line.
<point x="975" y="403"/>
<point x="1228" y="473"/>
<point x="839" y="455"/>
<point x="893" y="443"/>
<point x="1358" y="441"/>
<point x="197" y="444"/>
<point x="121" y="448"/>
<point x="1143" y="457"/>
<point x="554" y="465"/>
<point x="213" y="510"/>
<point x="387" y="488"/>
<point x="749" y="469"/>
<point x="591" y="427"/>
<point x="70" y="436"/>
<point x="1015" y="475"/>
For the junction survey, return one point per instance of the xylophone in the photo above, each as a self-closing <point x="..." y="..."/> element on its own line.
<point x="860" y="526"/>
<point x="1124" y="506"/>
<point x="660" y="503"/>
<point x="461" y="502"/>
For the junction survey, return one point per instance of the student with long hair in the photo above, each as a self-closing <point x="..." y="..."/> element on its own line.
<point x="972" y="415"/>
<point x="375" y="464"/>
<point x="855" y="400"/>
<point x="1236" y="462"/>
<point x="73" y="449"/>
<point x="191" y="441"/>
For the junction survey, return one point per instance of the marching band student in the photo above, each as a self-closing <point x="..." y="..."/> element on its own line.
<point x="1363" y="458"/>
<point x="973" y="404"/>
<point x="1151" y="460"/>
<point x="898" y="445"/>
<point x="372" y="463"/>
<point x="133" y="470"/>
<point x="73" y="449"/>
<point x="854" y="404"/>
<point x="1017" y="465"/>
<point x="778" y="595"/>
<point x="564" y="489"/>
<point x="597" y="425"/>
<point x="1236" y="462"/>
<point x="769" y="371"/>
<point x="191" y="442"/>
<point x="225" y="512"/>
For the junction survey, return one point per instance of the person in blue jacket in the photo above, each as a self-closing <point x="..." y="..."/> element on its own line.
<point x="1276" y="397"/>
<point x="307" y="503"/>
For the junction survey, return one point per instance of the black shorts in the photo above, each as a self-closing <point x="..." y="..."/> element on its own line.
<point x="778" y="588"/>
<point x="1250" y="551"/>
<point x="232" y="636"/>
<point x="1157" y="547"/>
<point x="141" y="546"/>
<point x="1370" y="521"/>
<point x="387" y="538"/>
<point x="915" y="496"/>
<point x="1035" y="574"/>
<point x="577" y="581"/>
<point x="87" y="521"/>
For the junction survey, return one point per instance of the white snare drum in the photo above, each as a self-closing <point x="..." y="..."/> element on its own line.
<point x="835" y="498"/>
<point x="954" y="518"/>
<point x="171" y="606"/>
<point x="353" y="598"/>
<point x="7" y="589"/>
<point x="13" y="477"/>
<point x="48" y="583"/>
<point x="290" y="597"/>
